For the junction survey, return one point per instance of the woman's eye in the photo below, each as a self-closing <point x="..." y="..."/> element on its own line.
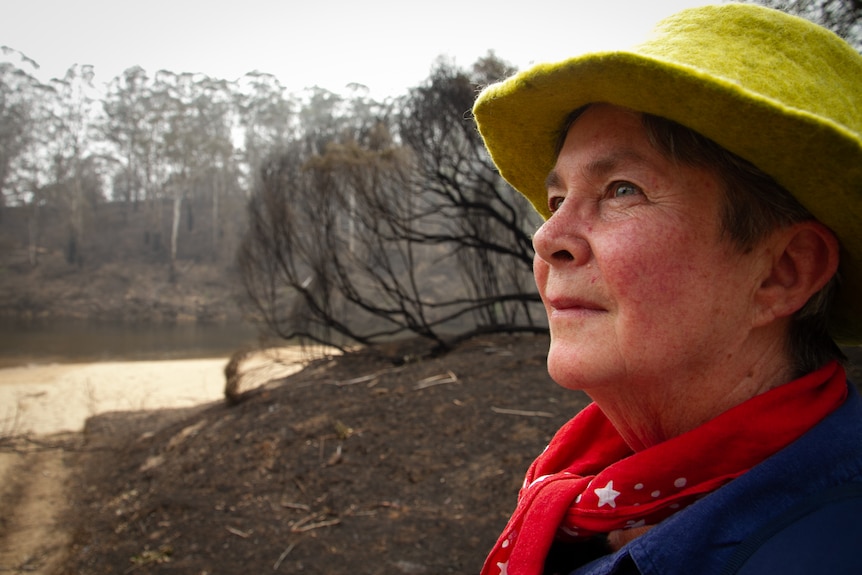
<point x="555" y="202"/>
<point x="623" y="189"/>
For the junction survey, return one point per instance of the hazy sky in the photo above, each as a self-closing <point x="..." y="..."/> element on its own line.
<point x="386" y="45"/>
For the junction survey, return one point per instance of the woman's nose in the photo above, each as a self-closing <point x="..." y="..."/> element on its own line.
<point x="559" y="241"/>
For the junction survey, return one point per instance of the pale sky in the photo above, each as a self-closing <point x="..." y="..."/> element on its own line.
<point x="386" y="45"/>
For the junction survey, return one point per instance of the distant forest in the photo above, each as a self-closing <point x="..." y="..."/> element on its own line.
<point x="167" y="146"/>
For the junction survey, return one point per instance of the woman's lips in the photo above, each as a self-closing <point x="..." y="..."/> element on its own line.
<point x="566" y="305"/>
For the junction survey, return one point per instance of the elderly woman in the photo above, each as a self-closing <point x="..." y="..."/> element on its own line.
<point x="701" y="256"/>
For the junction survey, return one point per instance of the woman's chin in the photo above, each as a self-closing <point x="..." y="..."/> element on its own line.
<point x="572" y="368"/>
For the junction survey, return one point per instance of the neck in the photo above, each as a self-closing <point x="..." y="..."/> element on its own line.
<point x="646" y="413"/>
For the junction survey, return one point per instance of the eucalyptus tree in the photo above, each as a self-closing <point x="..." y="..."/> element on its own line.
<point x="265" y="116"/>
<point x="19" y="93"/>
<point x="194" y="150"/>
<point x="125" y="127"/>
<point x="48" y="155"/>
<point x="208" y="151"/>
<point x="24" y="105"/>
<point x="69" y="152"/>
<point x="321" y="119"/>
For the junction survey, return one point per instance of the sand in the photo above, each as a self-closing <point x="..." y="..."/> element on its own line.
<point x="47" y="399"/>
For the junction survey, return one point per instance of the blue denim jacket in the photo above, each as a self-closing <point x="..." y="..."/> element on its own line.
<point x="800" y="511"/>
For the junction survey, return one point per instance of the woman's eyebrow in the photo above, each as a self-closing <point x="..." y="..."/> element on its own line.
<point x="553" y="181"/>
<point x="597" y="167"/>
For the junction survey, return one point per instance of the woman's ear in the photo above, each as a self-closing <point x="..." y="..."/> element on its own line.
<point x="804" y="258"/>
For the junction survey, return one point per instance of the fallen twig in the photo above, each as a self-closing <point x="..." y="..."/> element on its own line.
<point x="370" y="377"/>
<point x="283" y="556"/>
<point x="335" y="457"/>
<point x="238" y="533"/>
<point x="306" y="519"/>
<point x="305" y="524"/>
<point x="522" y="412"/>
<point x="447" y="377"/>
<point x="317" y="525"/>
<point x="356" y="380"/>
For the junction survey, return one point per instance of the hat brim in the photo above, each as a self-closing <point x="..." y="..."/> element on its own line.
<point x="817" y="160"/>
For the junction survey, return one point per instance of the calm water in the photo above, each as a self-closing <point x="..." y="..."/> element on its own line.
<point x="78" y="341"/>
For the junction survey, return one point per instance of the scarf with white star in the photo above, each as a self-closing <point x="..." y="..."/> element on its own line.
<point x="589" y="482"/>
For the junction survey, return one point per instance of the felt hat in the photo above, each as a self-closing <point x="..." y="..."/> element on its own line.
<point x="777" y="90"/>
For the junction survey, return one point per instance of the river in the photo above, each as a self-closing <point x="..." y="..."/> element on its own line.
<point x="68" y="341"/>
<point x="54" y="377"/>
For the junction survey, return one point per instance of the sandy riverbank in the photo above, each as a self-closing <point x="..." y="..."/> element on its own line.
<point x="46" y="399"/>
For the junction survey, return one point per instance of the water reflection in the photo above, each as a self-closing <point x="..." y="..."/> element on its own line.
<point x="67" y="341"/>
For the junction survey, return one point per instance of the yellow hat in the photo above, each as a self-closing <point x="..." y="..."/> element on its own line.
<point x="777" y="90"/>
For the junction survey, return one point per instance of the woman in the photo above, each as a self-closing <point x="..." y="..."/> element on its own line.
<point x="700" y="257"/>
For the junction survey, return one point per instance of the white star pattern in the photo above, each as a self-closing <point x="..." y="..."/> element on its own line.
<point x="607" y="495"/>
<point x="504" y="568"/>
<point x="539" y="480"/>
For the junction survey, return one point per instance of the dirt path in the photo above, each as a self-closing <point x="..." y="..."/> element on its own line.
<point x="33" y="535"/>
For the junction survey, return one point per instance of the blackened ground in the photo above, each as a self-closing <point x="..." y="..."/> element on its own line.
<point x="354" y="465"/>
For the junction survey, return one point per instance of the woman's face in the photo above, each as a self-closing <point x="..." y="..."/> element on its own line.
<point x="639" y="285"/>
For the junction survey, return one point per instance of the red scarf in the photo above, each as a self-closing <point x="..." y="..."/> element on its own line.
<point x="588" y="481"/>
